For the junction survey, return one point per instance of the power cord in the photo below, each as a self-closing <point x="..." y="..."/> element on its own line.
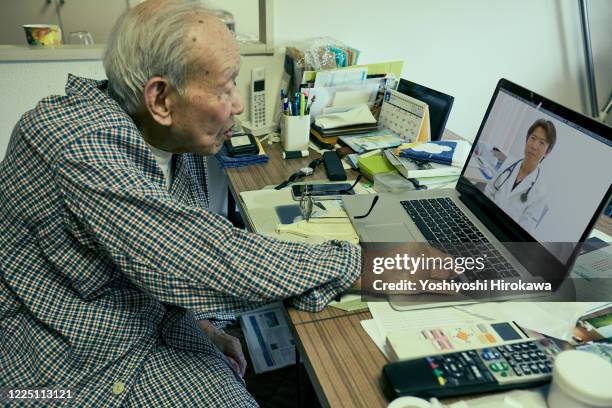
<point x="303" y="172"/>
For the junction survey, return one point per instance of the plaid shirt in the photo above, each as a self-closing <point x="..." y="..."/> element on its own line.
<point x="102" y="268"/>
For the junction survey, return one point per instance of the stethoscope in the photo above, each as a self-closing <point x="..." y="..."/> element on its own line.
<point x="509" y="170"/>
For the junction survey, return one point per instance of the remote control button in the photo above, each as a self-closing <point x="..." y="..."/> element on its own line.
<point x="534" y="368"/>
<point x="452" y="381"/>
<point x="518" y="371"/>
<point x="533" y="346"/>
<point x="441" y="381"/>
<point x="504" y="366"/>
<point x="533" y="356"/>
<point x="525" y="346"/>
<point x="494" y="367"/>
<point x="476" y="372"/>
<point x="542" y="367"/>
<point x="504" y="373"/>
<point x="488" y="355"/>
<point x="517" y="357"/>
<point x="488" y="376"/>
<point x="526" y="369"/>
<point x="525" y="357"/>
<point x="541" y="355"/>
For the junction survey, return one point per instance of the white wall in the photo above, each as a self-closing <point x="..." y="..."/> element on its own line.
<point x="461" y="47"/>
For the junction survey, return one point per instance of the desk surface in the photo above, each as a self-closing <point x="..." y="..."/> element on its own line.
<point x="343" y="363"/>
<point x="346" y="363"/>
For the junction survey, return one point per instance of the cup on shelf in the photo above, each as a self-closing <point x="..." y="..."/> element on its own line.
<point x="80" y="37"/>
<point x="47" y="35"/>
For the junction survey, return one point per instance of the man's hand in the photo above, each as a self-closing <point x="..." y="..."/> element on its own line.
<point x="228" y="345"/>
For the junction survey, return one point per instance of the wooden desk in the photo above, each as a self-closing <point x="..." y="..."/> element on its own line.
<point x="342" y="362"/>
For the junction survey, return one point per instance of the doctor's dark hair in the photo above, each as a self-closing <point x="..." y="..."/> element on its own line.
<point x="549" y="129"/>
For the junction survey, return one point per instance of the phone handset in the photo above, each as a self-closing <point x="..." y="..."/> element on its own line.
<point x="258" y="97"/>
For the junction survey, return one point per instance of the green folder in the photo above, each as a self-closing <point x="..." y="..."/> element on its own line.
<point x="375" y="164"/>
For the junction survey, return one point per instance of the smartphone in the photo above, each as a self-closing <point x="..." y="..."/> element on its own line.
<point x="323" y="191"/>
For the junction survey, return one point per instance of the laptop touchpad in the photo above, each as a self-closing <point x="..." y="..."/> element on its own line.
<point x="389" y="233"/>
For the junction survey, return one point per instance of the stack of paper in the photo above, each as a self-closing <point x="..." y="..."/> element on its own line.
<point x="379" y="139"/>
<point x="425" y="332"/>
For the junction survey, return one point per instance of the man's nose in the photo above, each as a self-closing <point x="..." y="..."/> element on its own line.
<point x="237" y="105"/>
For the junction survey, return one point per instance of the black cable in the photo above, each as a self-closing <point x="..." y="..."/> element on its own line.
<point x="298" y="174"/>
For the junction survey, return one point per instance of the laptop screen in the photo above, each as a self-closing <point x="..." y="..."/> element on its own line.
<point x="546" y="172"/>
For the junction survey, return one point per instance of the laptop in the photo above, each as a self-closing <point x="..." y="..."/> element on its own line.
<point x="547" y="210"/>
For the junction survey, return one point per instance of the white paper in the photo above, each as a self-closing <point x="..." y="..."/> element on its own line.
<point x="324" y="96"/>
<point x="371" y="329"/>
<point x="387" y="319"/>
<point x="268" y="338"/>
<point x="340" y="77"/>
<point x="350" y="98"/>
<point x="359" y="115"/>
<point x="554" y="319"/>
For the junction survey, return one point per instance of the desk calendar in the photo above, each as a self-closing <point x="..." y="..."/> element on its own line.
<point x="405" y="116"/>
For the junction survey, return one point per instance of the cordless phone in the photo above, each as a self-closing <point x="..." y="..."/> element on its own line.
<point x="258" y="97"/>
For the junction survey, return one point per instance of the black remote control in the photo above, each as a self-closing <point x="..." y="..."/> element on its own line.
<point x="517" y="365"/>
<point x="333" y="166"/>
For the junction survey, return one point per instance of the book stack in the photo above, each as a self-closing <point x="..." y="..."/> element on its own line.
<point x="428" y="167"/>
<point x="327" y="138"/>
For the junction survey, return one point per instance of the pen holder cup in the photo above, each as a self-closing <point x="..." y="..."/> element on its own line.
<point x="295" y="131"/>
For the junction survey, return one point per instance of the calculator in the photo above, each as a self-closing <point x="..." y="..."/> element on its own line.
<point x="491" y="369"/>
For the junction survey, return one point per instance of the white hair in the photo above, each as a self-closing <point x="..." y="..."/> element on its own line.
<point x="146" y="43"/>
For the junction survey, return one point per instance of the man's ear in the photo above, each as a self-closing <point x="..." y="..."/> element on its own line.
<point x="158" y="95"/>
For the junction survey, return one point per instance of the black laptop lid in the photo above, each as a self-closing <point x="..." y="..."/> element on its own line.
<point x="537" y="171"/>
<point x="439" y="104"/>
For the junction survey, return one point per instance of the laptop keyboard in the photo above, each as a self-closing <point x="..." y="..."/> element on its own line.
<point x="441" y="221"/>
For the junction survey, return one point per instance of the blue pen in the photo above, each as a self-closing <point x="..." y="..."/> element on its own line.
<point x="296" y="111"/>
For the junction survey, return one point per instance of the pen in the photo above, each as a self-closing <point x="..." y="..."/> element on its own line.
<point x="296" y="102"/>
<point x="302" y="103"/>
<point x="286" y="105"/>
<point x="310" y="104"/>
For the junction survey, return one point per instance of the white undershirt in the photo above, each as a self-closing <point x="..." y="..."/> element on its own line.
<point x="163" y="159"/>
<point x="217" y="179"/>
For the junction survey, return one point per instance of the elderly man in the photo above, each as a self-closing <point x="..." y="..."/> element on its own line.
<point x="114" y="274"/>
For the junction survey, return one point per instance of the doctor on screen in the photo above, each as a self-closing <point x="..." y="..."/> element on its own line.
<point x="517" y="186"/>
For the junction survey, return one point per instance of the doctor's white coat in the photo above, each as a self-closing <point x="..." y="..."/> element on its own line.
<point x="527" y="214"/>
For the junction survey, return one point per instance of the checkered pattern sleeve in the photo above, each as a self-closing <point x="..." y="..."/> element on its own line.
<point x="185" y="255"/>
